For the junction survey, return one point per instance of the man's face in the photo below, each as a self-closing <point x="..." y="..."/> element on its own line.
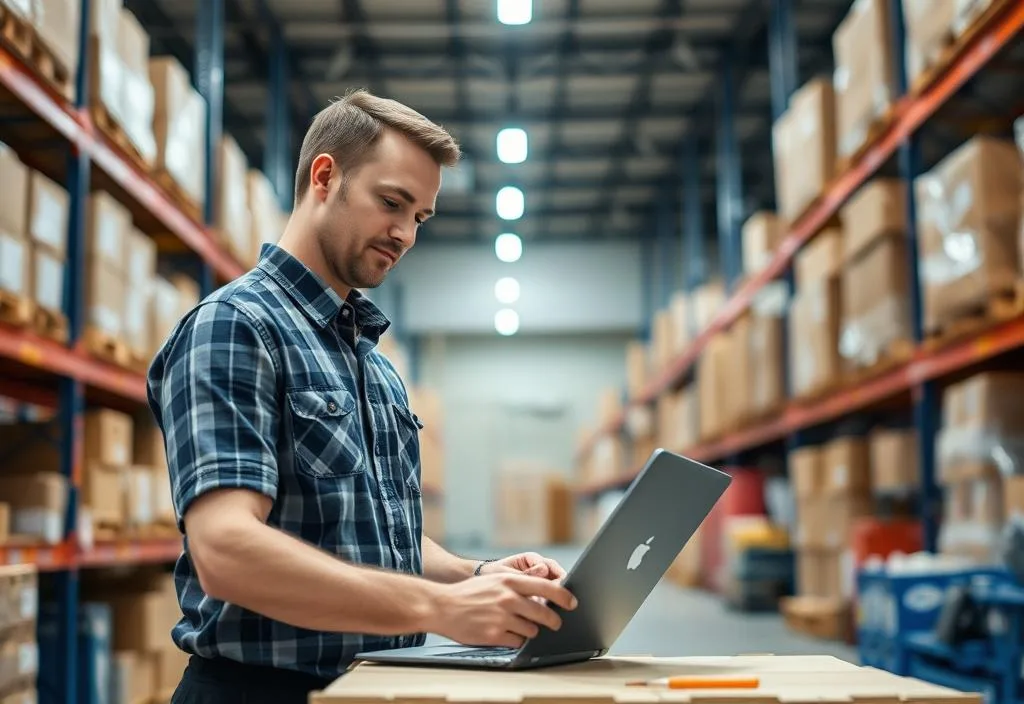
<point x="370" y="218"/>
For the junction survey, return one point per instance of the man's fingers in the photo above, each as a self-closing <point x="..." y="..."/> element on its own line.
<point x="552" y="591"/>
<point x="555" y="570"/>
<point x="539" y="614"/>
<point x="523" y="627"/>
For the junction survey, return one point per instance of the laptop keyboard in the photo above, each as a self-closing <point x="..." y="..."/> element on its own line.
<point x="482" y="653"/>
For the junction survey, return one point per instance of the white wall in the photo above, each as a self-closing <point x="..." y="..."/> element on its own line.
<point x="518" y="398"/>
<point x="592" y="287"/>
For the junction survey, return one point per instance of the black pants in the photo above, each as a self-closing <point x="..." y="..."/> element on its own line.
<point x="223" y="681"/>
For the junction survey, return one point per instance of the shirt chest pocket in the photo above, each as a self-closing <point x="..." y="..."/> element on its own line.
<point x="326" y="432"/>
<point x="405" y="454"/>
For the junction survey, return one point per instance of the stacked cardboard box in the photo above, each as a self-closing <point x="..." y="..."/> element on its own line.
<point x="119" y="74"/>
<point x="140" y="611"/>
<point x="832" y="485"/>
<point x="894" y="461"/>
<point x="19" y="650"/>
<point x="638" y="371"/>
<point x="768" y="392"/>
<point x="534" y="506"/>
<point x="15" y="249"/>
<point x="804" y="148"/>
<point x="232" y="216"/>
<point x="33" y="491"/>
<point x="179" y="119"/>
<point x="606" y="461"/>
<point x="642" y="429"/>
<point x="268" y="219"/>
<point x="929" y="28"/>
<point x="48" y="231"/>
<point x="864" y="77"/>
<point x="814" y="315"/>
<point x="706" y="301"/>
<point x="426" y="403"/>
<point x="980" y="456"/>
<point x="875" y="291"/>
<point x="762" y="233"/>
<point x="969" y="209"/>
<point x="713" y="380"/>
<point x="678" y="419"/>
<point x="56" y="23"/>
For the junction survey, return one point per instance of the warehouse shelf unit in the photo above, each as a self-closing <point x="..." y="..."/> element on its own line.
<point x="909" y="383"/>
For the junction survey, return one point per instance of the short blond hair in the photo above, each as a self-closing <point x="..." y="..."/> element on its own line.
<point x="350" y="127"/>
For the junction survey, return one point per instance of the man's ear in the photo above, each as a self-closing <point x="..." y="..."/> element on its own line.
<point x="320" y="173"/>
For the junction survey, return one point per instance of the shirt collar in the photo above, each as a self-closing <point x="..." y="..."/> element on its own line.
<point x="318" y="301"/>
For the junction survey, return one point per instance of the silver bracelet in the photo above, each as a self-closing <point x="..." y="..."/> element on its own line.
<point x="479" y="566"/>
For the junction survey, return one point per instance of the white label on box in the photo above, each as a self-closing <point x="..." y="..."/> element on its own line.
<point x="135" y="314"/>
<point x="44" y="523"/>
<point x="841" y="476"/>
<point x="47" y="226"/>
<point x="29" y="602"/>
<point x="144" y="492"/>
<point x="110" y="242"/>
<point x="28" y="659"/>
<point x="120" y="454"/>
<point x="106" y="319"/>
<point x="12" y="265"/>
<point x="49" y="287"/>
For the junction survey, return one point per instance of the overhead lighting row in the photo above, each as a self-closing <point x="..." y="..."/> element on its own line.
<point x="512" y="145"/>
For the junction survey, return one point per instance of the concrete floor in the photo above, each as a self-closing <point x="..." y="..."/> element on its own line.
<point x="678" y="622"/>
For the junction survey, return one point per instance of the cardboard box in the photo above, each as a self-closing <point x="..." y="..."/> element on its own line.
<point x="266" y="212"/>
<point x="993" y="401"/>
<point x="179" y="116"/>
<point x="38" y="502"/>
<point x="876" y="305"/>
<point x="762" y="233"/>
<point x="47" y="279"/>
<point x="878" y="209"/>
<point x="768" y="391"/>
<point x="804" y="145"/>
<point x="188" y="292"/>
<point x="969" y="209"/>
<point x="929" y="29"/>
<point x="57" y="23"/>
<point x="820" y="259"/>
<point x="894" y="461"/>
<point x="807" y="472"/>
<point x="108" y="437"/>
<point x="142" y="256"/>
<point x="48" y="214"/>
<point x="105" y="298"/>
<point x="136" y="317"/>
<point x="106" y="231"/>
<point x="824" y="573"/>
<point x="814" y="319"/>
<point x="102" y="492"/>
<point x="967" y="13"/>
<point x="132" y="43"/>
<point x="15" y="269"/>
<point x="864" y="87"/>
<point x="713" y="381"/>
<point x="132" y="677"/>
<point x="139" y="496"/>
<point x="143" y="620"/>
<point x="165" y="312"/>
<point x="707" y="299"/>
<point x="636" y="366"/>
<point x="233" y="220"/>
<point x="847" y="467"/>
<point x="679" y="314"/>
<point x="14" y="195"/>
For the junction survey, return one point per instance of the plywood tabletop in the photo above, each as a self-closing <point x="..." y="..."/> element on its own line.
<point x="789" y="679"/>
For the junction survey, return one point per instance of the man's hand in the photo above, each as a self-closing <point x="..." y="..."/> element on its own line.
<point x="528" y="563"/>
<point x="500" y="609"/>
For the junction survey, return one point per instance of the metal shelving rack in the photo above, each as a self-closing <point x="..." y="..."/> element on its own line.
<point x="915" y="381"/>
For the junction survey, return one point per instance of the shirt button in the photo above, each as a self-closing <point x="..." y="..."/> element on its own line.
<point x="332" y="406"/>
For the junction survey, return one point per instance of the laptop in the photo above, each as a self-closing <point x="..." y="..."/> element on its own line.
<point x="661" y="510"/>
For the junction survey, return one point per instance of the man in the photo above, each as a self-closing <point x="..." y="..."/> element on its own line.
<point x="293" y="454"/>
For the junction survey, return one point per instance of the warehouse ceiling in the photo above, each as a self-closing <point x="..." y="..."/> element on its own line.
<point x="608" y="92"/>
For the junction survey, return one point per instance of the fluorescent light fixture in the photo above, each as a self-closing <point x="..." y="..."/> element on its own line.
<point x="506" y="290"/>
<point x="510" y="203"/>
<point x="508" y="247"/>
<point x="513" y="145"/>
<point x="515" y="11"/>
<point x="506" y="322"/>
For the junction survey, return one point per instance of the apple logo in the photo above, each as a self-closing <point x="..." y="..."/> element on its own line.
<point x="638" y="554"/>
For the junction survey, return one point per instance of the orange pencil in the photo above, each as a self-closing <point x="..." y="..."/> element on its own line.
<point x="700" y="683"/>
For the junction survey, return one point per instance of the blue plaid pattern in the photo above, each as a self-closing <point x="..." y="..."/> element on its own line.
<point x="274" y="384"/>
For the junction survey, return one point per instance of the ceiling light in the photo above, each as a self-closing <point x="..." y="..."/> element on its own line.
<point x="506" y="322"/>
<point x="510" y="203"/>
<point x="508" y="247"/>
<point x="515" y="11"/>
<point x="506" y="290"/>
<point x="513" y="145"/>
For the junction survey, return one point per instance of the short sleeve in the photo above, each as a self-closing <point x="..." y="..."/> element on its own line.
<point x="214" y="392"/>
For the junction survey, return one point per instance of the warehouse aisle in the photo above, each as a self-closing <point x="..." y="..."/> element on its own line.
<point x="676" y="621"/>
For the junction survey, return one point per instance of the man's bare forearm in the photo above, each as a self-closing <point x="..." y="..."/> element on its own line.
<point x="440" y="565"/>
<point x="264" y="570"/>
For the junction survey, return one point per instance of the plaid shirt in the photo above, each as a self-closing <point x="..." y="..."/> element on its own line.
<point x="273" y="384"/>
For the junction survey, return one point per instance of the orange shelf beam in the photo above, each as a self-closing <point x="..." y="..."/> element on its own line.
<point x="65" y="555"/>
<point x="909" y="114"/>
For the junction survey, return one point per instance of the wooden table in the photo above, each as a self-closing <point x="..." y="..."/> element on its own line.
<point x="791" y="679"/>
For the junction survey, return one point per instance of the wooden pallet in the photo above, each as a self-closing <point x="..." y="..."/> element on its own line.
<point x="19" y="36"/>
<point x="16" y="310"/>
<point x="950" y="47"/>
<point x="897" y="352"/>
<point x="104" y="346"/>
<point x="108" y="125"/>
<point x="818" y="617"/>
<point x="185" y="202"/>
<point x="51" y="324"/>
<point x="1001" y="307"/>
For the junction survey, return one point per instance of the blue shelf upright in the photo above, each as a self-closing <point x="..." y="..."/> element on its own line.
<point x="209" y="80"/>
<point x="694" y="264"/>
<point x="730" y="180"/>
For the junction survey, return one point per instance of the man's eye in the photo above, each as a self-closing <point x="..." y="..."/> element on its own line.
<point x="390" y="203"/>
